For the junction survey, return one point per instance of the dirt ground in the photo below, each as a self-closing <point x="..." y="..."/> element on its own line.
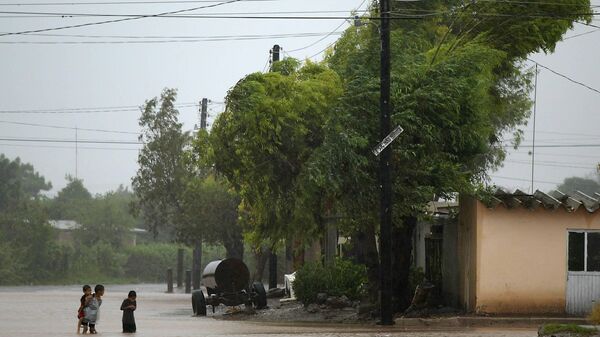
<point x="51" y="311"/>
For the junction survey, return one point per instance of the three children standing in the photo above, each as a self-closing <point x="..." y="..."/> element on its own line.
<point x="88" y="312"/>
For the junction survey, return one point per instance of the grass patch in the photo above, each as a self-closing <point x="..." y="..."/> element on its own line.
<point x="550" y="329"/>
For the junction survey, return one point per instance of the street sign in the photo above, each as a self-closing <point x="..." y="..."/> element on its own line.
<point x="387" y="140"/>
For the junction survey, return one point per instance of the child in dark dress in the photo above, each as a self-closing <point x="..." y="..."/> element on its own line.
<point x="129" y="305"/>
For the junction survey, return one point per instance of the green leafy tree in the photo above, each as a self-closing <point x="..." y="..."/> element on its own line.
<point x="161" y="173"/>
<point x="108" y="219"/>
<point x="26" y="239"/>
<point x="458" y="85"/>
<point x="211" y="212"/>
<point x="72" y="202"/>
<point x="272" y="125"/>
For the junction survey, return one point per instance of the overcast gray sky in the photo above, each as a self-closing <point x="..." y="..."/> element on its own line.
<point x="62" y="76"/>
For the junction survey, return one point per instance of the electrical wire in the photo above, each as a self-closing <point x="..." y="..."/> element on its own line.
<point x="121" y="20"/>
<point x="170" y="2"/>
<point x="566" y="77"/>
<point x="123" y="108"/>
<point x="69" y="147"/>
<point x="80" y="141"/>
<point x="526" y="180"/>
<point x="69" y="128"/>
<point x="206" y="39"/>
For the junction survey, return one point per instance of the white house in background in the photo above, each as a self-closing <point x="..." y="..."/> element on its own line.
<point x="65" y="229"/>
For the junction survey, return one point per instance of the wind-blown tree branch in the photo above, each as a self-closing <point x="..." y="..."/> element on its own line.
<point x="271" y="126"/>
<point x="458" y="85"/>
<point x="160" y="177"/>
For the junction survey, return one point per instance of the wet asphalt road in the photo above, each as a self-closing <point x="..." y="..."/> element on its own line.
<point x="51" y="311"/>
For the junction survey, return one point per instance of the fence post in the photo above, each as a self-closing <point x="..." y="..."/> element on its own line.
<point x="179" y="268"/>
<point x="169" y="280"/>
<point x="188" y="281"/>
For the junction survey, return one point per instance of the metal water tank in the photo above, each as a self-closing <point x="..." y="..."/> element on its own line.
<point x="229" y="275"/>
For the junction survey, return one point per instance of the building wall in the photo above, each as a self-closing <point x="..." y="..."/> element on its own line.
<point x="521" y="257"/>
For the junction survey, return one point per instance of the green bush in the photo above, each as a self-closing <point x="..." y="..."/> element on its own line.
<point x="148" y="263"/>
<point x="341" y="278"/>
<point x="552" y="329"/>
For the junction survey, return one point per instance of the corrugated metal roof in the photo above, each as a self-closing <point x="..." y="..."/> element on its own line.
<point x="552" y="200"/>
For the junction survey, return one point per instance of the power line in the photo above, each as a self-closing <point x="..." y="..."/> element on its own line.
<point x="526" y="180"/>
<point x="69" y="147"/>
<point x="207" y="39"/>
<point x="565" y="77"/>
<point x="178" y="36"/>
<point x="85" y="141"/>
<point x="556" y="145"/>
<point x="170" y="2"/>
<point x="123" y="108"/>
<point x="77" y="15"/>
<point x="123" y="19"/>
<point x="591" y="167"/>
<point x="69" y="128"/>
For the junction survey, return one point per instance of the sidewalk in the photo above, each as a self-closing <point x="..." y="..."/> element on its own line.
<point x="484" y="322"/>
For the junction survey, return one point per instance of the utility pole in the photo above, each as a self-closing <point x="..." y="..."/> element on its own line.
<point x="197" y="253"/>
<point x="533" y="147"/>
<point x="76" y="155"/>
<point x="203" y="113"/>
<point x="385" y="230"/>
<point x="272" y="256"/>
<point x="275" y="54"/>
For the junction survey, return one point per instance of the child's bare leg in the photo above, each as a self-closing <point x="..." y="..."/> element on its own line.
<point x="79" y="325"/>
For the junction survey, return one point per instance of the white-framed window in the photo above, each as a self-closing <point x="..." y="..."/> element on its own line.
<point x="584" y="251"/>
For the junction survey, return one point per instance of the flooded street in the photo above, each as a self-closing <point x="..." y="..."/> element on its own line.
<point x="50" y="311"/>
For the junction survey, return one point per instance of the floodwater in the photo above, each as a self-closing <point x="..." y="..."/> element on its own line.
<point x="51" y="311"/>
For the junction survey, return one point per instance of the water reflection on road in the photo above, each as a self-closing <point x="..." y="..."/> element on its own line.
<point x="50" y="311"/>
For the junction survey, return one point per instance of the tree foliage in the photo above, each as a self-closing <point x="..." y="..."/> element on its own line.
<point x="161" y="173"/>
<point x="458" y="86"/>
<point x="26" y="239"/>
<point x="270" y="129"/>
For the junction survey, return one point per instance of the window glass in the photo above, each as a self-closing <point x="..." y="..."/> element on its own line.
<point x="593" y="250"/>
<point x="576" y="251"/>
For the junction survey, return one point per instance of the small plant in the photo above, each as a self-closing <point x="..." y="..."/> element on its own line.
<point x="594" y="316"/>
<point x="551" y="329"/>
<point x="341" y="278"/>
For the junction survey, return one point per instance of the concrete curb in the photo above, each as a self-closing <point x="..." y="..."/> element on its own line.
<point x="483" y="322"/>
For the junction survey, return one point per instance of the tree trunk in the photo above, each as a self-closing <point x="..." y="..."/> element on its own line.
<point x="364" y="251"/>
<point x="262" y="256"/>
<point x="298" y="255"/>
<point x="401" y="263"/>
<point x="234" y="247"/>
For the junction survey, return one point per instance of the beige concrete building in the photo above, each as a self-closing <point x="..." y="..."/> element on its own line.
<point x="524" y="254"/>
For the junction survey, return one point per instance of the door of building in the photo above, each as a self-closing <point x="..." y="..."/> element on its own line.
<point x="583" y="275"/>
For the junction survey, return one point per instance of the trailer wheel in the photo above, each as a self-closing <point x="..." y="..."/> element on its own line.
<point x="198" y="303"/>
<point x="261" y="295"/>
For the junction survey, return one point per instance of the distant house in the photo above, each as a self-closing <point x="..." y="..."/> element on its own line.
<point x="526" y="254"/>
<point x="65" y="229"/>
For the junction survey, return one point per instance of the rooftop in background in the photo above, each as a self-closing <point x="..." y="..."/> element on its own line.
<point x="551" y="200"/>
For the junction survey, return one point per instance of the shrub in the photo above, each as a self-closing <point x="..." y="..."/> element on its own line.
<point x="149" y="262"/>
<point x="594" y="316"/>
<point x="341" y="278"/>
<point x="552" y="329"/>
